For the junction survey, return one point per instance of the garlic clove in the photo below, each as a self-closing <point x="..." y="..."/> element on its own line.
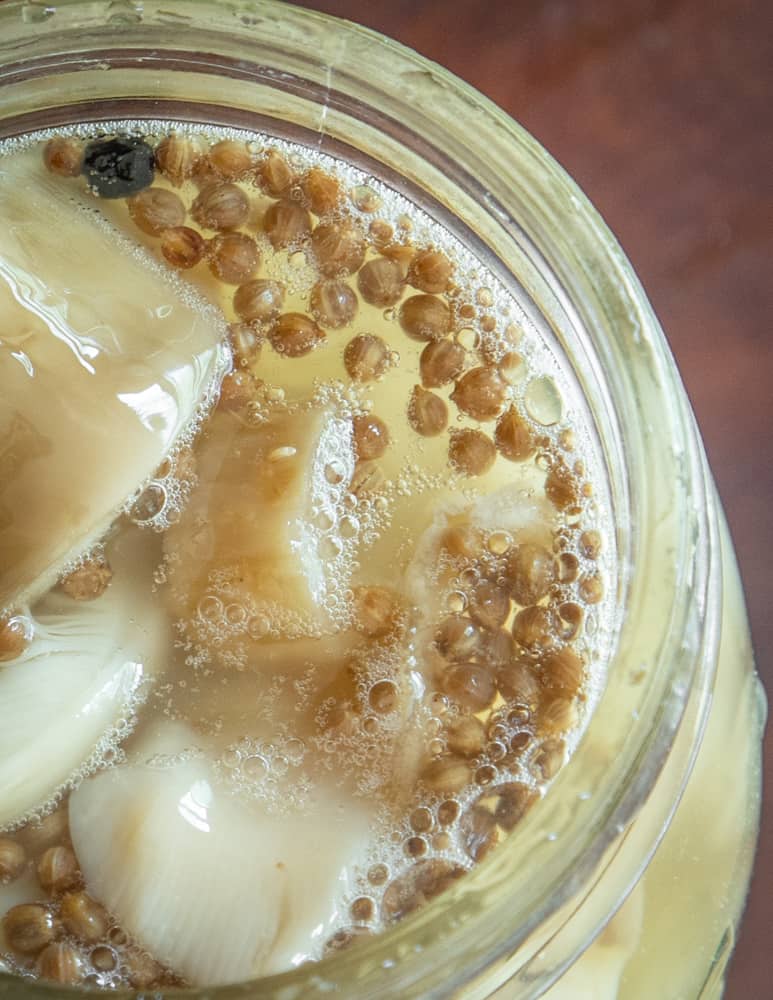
<point x="104" y="360"/>
<point x="265" y="534"/>
<point x="209" y="883"/>
<point x="70" y="695"/>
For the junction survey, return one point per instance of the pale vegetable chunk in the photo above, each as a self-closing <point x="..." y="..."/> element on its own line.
<point x="268" y="497"/>
<point x="213" y="886"/>
<point x="62" y="696"/>
<point x="103" y="362"/>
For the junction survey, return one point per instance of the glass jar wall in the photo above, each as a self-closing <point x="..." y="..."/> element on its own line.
<point x="638" y="822"/>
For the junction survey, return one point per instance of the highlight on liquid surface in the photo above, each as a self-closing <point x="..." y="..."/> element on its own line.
<point x="301" y="563"/>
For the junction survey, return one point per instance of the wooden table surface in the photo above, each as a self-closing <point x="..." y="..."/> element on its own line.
<point x="661" y="110"/>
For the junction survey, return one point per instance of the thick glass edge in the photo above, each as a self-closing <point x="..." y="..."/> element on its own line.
<point x="588" y="250"/>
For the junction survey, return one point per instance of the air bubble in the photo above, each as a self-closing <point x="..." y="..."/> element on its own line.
<point x="334" y="473"/>
<point x="210" y="608"/>
<point x="255" y="768"/>
<point x="498" y="542"/>
<point x="149" y="504"/>
<point x="235" y="614"/>
<point x="349" y="527"/>
<point x="447" y="812"/>
<point x="543" y="401"/>
<point x="231" y="758"/>
<point x="415" y="847"/>
<point x="457" y="601"/>
<point x="329" y="548"/>
<point x="378" y="874"/>
<point x="258" y="627"/>
<point x="421" y="820"/>
<point x="365" y="198"/>
<point x="467" y="338"/>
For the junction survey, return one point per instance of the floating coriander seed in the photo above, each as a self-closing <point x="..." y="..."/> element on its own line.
<point x="466" y="736"/>
<point x="117" y="168"/>
<point x="339" y="248"/>
<point x="237" y="390"/>
<point x="245" y="343"/>
<point x="568" y="567"/>
<point x="561" y="487"/>
<point x="58" y="869"/>
<point x="570" y="616"/>
<point x="177" y="157"/>
<point x="511" y="367"/>
<point x="489" y="604"/>
<point x="230" y="158"/>
<point x="499" y="647"/>
<point x="362" y="909"/>
<point x="533" y="628"/>
<point x="425" y="317"/>
<point x="514" y="801"/>
<point x="513" y="437"/>
<point x="548" y="759"/>
<point x="400" y="253"/>
<point x="448" y="774"/>
<point x="89" y="581"/>
<point x="480" y="393"/>
<point x="518" y="684"/>
<point x="365" y="198"/>
<point x="543" y="401"/>
<point x="84" y="917"/>
<point x="441" y="362"/>
<point x="415" y="847"/>
<point x="427" y="413"/>
<point x="286" y="224"/>
<point x="156" y="209"/>
<point x="366" y="358"/>
<point x="29" y="927"/>
<point x="182" y="247"/>
<point x="376" y="610"/>
<point x="260" y="300"/>
<point x="321" y="191"/>
<point x="371" y="436"/>
<point x="61" y="962"/>
<point x="63" y="155"/>
<point x="471" y="685"/>
<point x="447" y="812"/>
<point x="430" y="271"/>
<point x="368" y="478"/>
<point x="221" y="206"/>
<point x="13" y="859"/>
<point x="591" y="588"/>
<point x="381" y="233"/>
<point x="561" y="672"/>
<point x="15" y="636"/>
<point x="478" y="831"/>
<point x="590" y="544"/>
<point x="275" y="175"/>
<point x="333" y="303"/>
<point x="457" y="638"/>
<point x="294" y="335"/>
<point x="532" y="571"/>
<point x="380" y="282"/>
<point x="233" y="258"/>
<point x="470" y="452"/>
<point x="556" y="715"/>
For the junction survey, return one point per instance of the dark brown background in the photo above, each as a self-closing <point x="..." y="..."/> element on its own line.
<point x="662" y="111"/>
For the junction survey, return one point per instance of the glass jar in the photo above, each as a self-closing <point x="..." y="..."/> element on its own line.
<point x="631" y="874"/>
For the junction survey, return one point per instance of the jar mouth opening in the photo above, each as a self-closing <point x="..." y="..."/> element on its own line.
<point x="468" y="153"/>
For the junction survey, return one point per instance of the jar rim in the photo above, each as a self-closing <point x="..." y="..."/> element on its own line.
<point x="573" y="263"/>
